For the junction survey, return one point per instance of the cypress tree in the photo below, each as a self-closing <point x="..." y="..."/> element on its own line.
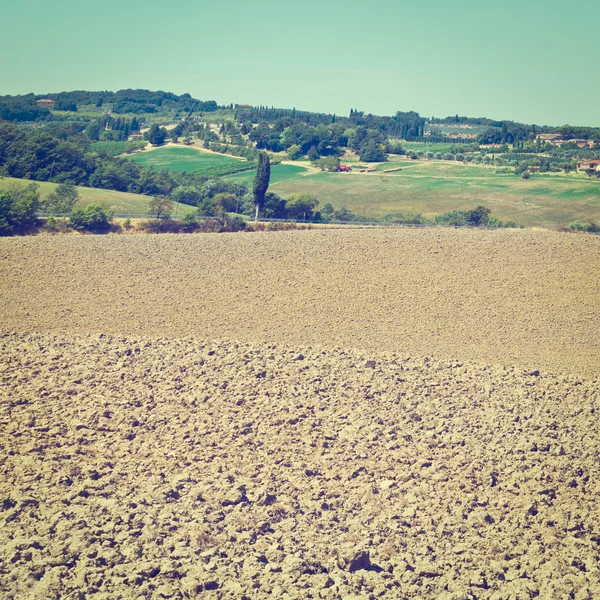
<point x="261" y="181"/>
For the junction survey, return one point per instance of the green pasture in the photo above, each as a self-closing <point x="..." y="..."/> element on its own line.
<point x="181" y="159"/>
<point x="118" y="202"/>
<point x="548" y="201"/>
<point x="278" y="173"/>
<point x="431" y="147"/>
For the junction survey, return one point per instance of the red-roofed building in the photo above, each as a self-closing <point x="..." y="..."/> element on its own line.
<point x="46" y="103"/>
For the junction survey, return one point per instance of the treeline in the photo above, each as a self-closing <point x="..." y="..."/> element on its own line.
<point x="582" y="133"/>
<point x="317" y="134"/>
<point x="299" y="139"/>
<point x="23" y="108"/>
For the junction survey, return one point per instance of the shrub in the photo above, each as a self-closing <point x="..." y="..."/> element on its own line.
<point x="18" y="205"/>
<point x="93" y="218"/>
<point x="587" y="226"/>
<point x="127" y="224"/>
<point x="525" y="175"/>
<point x="294" y="152"/>
<point x="232" y="224"/>
<point x="160" y="226"/>
<point x="54" y="225"/>
<point x="189" y="223"/>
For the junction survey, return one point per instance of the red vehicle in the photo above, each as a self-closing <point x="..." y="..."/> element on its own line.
<point x="345" y="168"/>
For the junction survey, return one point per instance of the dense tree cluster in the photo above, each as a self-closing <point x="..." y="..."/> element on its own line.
<point x="21" y="108"/>
<point x="64" y="156"/>
<point x="317" y="134"/>
<point x="18" y="207"/>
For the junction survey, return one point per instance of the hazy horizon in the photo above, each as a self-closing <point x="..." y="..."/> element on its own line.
<point x="510" y="62"/>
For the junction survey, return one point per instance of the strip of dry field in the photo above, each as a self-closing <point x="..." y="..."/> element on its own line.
<point x="508" y="297"/>
<point x="404" y="414"/>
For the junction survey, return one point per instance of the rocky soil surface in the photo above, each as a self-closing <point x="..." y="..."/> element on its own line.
<point x="407" y="414"/>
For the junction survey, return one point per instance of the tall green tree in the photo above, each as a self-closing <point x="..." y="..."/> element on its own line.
<point x="261" y="181"/>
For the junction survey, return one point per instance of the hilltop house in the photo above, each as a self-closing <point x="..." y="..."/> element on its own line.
<point x="46" y="103"/>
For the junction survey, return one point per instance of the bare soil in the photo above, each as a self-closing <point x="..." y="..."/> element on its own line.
<point x="339" y="414"/>
<point x="527" y="298"/>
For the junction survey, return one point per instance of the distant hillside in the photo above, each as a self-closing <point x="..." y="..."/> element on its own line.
<point x="118" y="202"/>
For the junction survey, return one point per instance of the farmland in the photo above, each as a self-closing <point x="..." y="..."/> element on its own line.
<point x="279" y="173"/>
<point x="432" y="187"/>
<point x="366" y="413"/>
<point x="117" y="202"/>
<point x="182" y="159"/>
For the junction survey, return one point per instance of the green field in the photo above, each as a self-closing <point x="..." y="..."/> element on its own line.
<point x="431" y="147"/>
<point x="181" y="159"/>
<point x="549" y="200"/>
<point x="118" y="202"/>
<point x="278" y="173"/>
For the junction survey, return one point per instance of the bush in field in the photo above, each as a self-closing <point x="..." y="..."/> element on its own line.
<point x="18" y="206"/>
<point x="54" y="225"/>
<point x="91" y="218"/>
<point x="160" y="226"/>
<point x="587" y="226"/>
<point x="189" y="223"/>
<point x="233" y="224"/>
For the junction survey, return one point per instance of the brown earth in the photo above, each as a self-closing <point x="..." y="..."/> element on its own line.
<point x="507" y="297"/>
<point x="404" y="414"/>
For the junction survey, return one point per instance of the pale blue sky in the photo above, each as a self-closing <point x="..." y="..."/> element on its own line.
<point x="528" y="61"/>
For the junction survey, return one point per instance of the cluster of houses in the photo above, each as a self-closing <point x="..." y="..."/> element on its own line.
<point x="556" y="139"/>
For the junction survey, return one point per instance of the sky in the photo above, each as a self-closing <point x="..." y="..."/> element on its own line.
<point x="528" y="61"/>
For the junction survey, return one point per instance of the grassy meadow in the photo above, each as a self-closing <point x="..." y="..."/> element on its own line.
<point x="118" y="202"/>
<point x="181" y="159"/>
<point x="548" y="200"/>
<point x="278" y="173"/>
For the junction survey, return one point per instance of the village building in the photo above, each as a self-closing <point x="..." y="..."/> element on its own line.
<point x="46" y="103"/>
<point x="558" y="140"/>
<point x="550" y="137"/>
<point x="583" y="143"/>
<point x="589" y="165"/>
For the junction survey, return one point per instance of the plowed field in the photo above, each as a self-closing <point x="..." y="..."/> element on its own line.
<point x="338" y="414"/>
